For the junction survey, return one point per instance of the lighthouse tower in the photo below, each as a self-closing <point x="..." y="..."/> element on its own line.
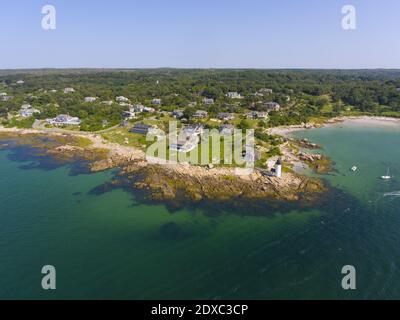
<point x="278" y="169"/>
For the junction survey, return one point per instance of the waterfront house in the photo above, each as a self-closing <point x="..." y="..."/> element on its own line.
<point x="226" y="116"/>
<point x="185" y="143"/>
<point x="90" y="99"/>
<point x="64" y="119"/>
<point x="141" y="128"/>
<point x="200" y="114"/>
<point x="69" y="90"/>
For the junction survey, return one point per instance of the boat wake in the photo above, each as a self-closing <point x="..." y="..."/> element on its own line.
<point x="392" y="194"/>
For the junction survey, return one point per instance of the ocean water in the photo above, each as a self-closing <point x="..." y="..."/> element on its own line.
<point x="113" y="245"/>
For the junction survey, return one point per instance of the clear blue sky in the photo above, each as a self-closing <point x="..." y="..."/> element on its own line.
<point x="200" y="33"/>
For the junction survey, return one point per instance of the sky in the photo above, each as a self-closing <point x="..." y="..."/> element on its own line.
<point x="200" y="34"/>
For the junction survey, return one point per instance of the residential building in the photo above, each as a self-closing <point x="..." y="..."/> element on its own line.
<point x="138" y="108"/>
<point x="226" y="116"/>
<point x="177" y="113"/>
<point x="193" y="129"/>
<point x="3" y="94"/>
<point x="234" y="95"/>
<point x="90" y="99"/>
<point x="226" y="129"/>
<point x="128" y="115"/>
<point x="257" y="115"/>
<point x="20" y="82"/>
<point x="271" y="106"/>
<point x="108" y="103"/>
<point x="149" y="109"/>
<point x="5" y="98"/>
<point x="64" y="119"/>
<point x="265" y="91"/>
<point x="185" y="143"/>
<point x="69" y="90"/>
<point x="192" y="104"/>
<point x="156" y="102"/>
<point x="28" y="111"/>
<point x="200" y="114"/>
<point x="121" y="99"/>
<point x="208" y="101"/>
<point x="141" y="128"/>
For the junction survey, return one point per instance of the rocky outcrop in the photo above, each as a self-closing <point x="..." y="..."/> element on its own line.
<point x="167" y="183"/>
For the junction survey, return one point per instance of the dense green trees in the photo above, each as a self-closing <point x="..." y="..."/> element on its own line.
<point x="311" y="92"/>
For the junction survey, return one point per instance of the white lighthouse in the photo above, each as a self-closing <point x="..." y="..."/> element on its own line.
<point x="278" y="169"/>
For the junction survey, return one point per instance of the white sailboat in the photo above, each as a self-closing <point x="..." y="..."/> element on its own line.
<point x="387" y="177"/>
<point x="354" y="168"/>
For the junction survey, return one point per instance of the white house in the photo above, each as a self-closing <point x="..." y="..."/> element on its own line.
<point x="208" y="101"/>
<point x="226" y="116"/>
<point x="156" y="102"/>
<point x="138" y="108"/>
<point x="193" y="129"/>
<point x="265" y="91"/>
<point x="28" y="112"/>
<point x="200" y="114"/>
<point x="129" y="115"/>
<point x="108" y="103"/>
<point x="226" y="129"/>
<point x="3" y="94"/>
<point x="64" y="119"/>
<point x="234" y="95"/>
<point x="184" y="144"/>
<point x="188" y="138"/>
<point x="149" y="109"/>
<point x="69" y="90"/>
<point x="20" y="82"/>
<point x="257" y="115"/>
<point x="90" y="99"/>
<point x="121" y="99"/>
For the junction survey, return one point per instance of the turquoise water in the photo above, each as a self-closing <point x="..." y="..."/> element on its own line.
<point x="113" y="245"/>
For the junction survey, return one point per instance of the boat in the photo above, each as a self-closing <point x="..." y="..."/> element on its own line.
<point x="354" y="168"/>
<point x="387" y="177"/>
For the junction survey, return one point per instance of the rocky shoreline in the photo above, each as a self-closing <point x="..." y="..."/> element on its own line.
<point x="168" y="182"/>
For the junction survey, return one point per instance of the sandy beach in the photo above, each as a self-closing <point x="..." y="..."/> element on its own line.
<point x="361" y="120"/>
